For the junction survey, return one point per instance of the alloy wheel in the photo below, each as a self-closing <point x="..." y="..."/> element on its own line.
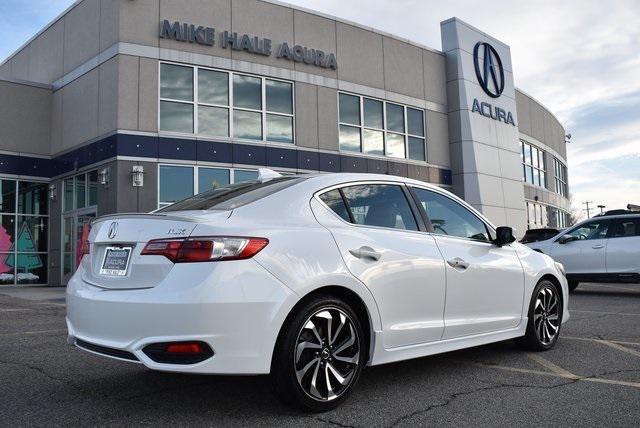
<point x="327" y="354"/>
<point x="546" y="315"/>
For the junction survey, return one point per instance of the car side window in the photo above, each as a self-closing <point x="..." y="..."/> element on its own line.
<point x="596" y="229"/>
<point x="448" y="217"/>
<point x="625" y="227"/>
<point x="381" y="205"/>
<point x="333" y="199"/>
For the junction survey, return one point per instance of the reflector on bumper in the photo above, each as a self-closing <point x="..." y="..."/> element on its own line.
<point x="178" y="352"/>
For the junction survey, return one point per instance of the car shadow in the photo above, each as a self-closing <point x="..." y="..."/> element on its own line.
<point x="250" y="399"/>
<point x="619" y="290"/>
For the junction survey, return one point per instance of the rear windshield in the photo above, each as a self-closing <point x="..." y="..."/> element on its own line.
<point x="233" y="195"/>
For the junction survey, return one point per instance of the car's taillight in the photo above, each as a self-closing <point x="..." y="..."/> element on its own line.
<point x="205" y="249"/>
<point x="86" y="248"/>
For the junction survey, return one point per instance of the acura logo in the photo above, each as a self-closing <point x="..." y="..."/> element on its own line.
<point x="113" y="230"/>
<point x="490" y="73"/>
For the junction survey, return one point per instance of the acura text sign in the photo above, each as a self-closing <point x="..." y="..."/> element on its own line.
<point x="191" y="33"/>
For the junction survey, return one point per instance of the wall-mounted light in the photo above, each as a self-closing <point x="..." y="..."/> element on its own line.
<point x="103" y="176"/>
<point x="137" y="176"/>
<point x="52" y="192"/>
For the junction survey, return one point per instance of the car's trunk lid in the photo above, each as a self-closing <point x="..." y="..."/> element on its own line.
<point x="124" y="236"/>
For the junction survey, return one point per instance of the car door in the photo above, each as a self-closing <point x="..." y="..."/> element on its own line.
<point x="582" y="250"/>
<point x="485" y="283"/>
<point x="383" y="243"/>
<point x="623" y="246"/>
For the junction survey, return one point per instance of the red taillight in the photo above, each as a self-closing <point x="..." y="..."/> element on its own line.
<point x="204" y="249"/>
<point x="185" y="348"/>
<point x="85" y="247"/>
<point x="195" y="251"/>
<point x="167" y="247"/>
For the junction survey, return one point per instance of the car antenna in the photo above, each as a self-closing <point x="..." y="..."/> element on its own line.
<point x="265" y="174"/>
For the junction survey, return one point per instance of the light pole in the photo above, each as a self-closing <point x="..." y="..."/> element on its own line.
<point x="587" y="209"/>
<point x="602" y="207"/>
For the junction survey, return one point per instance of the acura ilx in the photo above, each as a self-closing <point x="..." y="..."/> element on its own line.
<point x="308" y="278"/>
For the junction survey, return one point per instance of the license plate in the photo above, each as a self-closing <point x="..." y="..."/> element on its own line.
<point x="116" y="261"/>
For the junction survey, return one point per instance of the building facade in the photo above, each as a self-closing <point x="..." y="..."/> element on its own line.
<point x="130" y="105"/>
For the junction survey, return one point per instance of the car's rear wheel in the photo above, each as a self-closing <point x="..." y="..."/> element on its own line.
<point x="573" y="285"/>
<point x="319" y="356"/>
<point x="545" y="317"/>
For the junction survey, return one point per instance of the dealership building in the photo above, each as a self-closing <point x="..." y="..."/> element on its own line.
<point x="130" y="105"/>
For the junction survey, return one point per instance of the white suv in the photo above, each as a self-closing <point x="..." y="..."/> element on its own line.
<point x="600" y="249"/>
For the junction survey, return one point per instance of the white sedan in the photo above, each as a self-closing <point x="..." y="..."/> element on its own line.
<point x="309" y="278"/>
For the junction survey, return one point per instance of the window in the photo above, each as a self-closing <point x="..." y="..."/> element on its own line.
<point x="225" y="104"/>
<point x="450" y="218"/>
<point x="80" y="191"/>
<point x="210" y="178"/>
<point x="560" y="173"/>
<point x="592" y="230"/>
<point x="625" y="227"/>
<point x="362" y="128"/>
<point x="178" y="182"/>
<point x="24" y="231"/>
<point x="537" y="215"/>
<point x="334" y="200"/>
<point x="379" y="205"/>
<point x="533" y="164"/>
<point x="557" y="218"/>
<point x="240" y="175"/>
<point x="563" y="219"/>
<point x="233" y="195"/>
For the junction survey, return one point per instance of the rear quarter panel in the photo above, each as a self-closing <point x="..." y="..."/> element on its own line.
<point x="301" y="253"/>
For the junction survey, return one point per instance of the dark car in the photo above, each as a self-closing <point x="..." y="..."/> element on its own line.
<point x="542" y="234"/>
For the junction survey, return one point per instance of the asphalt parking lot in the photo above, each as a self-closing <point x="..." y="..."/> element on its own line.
<point x="592" y="377"/>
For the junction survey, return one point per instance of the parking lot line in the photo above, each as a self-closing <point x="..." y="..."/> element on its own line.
<point x="564" y="376"/>
<point x="591" y="339"/>
<point x="554" y="368"/>
<point x="619" y="347"/>
<point x="15" y="310"/>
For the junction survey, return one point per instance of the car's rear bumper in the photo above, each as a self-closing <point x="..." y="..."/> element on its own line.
<point x="236" y="308"/>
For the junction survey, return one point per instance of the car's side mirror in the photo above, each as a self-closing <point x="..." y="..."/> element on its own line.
<point x="504" y="236"/>
<point x="566" y="238"/>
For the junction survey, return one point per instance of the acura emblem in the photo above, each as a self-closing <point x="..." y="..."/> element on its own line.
<point x="491" y="70"/>
<point x="113" y="230"/>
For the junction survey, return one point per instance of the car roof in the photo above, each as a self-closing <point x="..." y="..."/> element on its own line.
<point x="330" y="179"/>
<point x="605" y="217"/>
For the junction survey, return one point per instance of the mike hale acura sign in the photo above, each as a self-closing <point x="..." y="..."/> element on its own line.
<point x="201" y="35"/>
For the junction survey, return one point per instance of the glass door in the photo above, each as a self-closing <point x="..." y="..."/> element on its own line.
<point x="75" y="230"/>
<point x="80" y="200"/>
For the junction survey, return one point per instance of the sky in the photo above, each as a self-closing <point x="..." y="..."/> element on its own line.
<point x="581" y="59"/>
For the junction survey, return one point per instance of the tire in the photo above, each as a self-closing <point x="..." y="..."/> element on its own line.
<point x="545" y="318"/>
<point x="573" y="285"/>
<point x="299" y="373"/>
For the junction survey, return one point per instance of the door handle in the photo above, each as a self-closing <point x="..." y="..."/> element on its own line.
<point x="458" y="263"/>
<point x="366" y="253"/>
<point x="597" y="247"/>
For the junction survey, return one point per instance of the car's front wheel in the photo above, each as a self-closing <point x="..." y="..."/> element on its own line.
<point x="545" y="317"/>
<point x="319" y="356"/>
